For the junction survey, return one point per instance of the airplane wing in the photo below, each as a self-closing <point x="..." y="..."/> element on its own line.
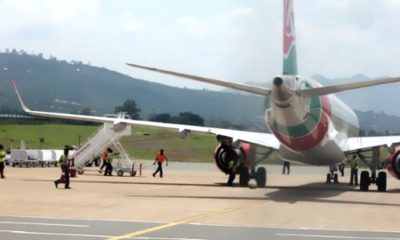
<point x="266" y="92"/>
<point x="262" y="139"/>
<point x="237" y="86"/>
<point x="362" y="143"/>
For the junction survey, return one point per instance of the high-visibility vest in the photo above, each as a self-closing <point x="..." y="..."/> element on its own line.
<point x="110" y="158"/>
<point x="63" y="160"/>
<point x="233" y="165"/>
<point x="2" y="156"/>
<point x="354" y="163"/>
<point x="161" y="157"/>
<point x="104" y="156"/>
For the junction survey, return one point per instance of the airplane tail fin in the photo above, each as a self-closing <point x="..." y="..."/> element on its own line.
<point x="289" y="40"/>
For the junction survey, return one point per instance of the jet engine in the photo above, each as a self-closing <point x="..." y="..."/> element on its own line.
<point x="393" y="163"/>
<point x="226" y="151"/>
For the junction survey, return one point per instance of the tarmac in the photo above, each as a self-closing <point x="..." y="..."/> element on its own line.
<point x="194" y="196"/>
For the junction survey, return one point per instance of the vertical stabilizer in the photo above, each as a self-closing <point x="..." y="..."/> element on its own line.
<point x="289" y="40"/>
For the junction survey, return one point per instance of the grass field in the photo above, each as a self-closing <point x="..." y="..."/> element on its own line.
<point x="143" y="144"/>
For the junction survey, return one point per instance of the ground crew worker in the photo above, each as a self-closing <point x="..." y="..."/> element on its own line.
<point x="64" y="161"/>
<point x="103" y="158"/>
<point x="232" y="166"/>
<point x="109" y="167"/>
<point x="286" y="166"/>
<point x="354" y="170"/>
<point x="2" y="161"/>
<point x="160" y="158"/>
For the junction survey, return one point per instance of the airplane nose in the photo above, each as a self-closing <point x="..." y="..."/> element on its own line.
<point x="278" y="81"/>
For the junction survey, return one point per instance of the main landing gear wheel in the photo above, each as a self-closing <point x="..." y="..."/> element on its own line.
<point x="335" y="178"/>
<point x="381" y="181"/>
<point x="364" y="181"/>
<point x="328" y="178"/>
<point x="244" y="176"/>
<point x="261" y="177"/>
<point x="332" y="177"/>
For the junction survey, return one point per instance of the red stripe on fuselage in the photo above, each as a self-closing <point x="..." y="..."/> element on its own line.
<point x="312" y="139"/>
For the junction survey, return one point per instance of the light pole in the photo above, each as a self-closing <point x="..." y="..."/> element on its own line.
<point x="79" y="141"/>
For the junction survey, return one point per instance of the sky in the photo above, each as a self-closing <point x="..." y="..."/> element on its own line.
<point x="233" y="40"/>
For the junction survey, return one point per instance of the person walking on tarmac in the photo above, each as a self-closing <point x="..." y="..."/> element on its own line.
<point x="2" y="161"/>
<point x="160" y="158"/>
<point x="103" y="158"/>
<point x="109" y="167"/>
<point x="64" y="161"/>
<point x="286" y="166"/>
<point x="354" y="170"/>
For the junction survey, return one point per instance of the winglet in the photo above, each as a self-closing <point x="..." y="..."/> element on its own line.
<point x="24" y="107"/>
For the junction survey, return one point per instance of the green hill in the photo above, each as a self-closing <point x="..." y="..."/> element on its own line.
<point x="51" y="84"/>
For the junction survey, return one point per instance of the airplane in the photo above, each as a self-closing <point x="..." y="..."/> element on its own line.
<point x="308" y="123"/>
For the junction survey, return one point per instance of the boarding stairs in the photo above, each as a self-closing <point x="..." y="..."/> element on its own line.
<point x="104" y="137"/>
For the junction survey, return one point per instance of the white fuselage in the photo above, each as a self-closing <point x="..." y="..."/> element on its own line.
<point x="311" y="129"/>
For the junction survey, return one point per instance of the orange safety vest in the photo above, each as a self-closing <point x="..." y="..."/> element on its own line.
<point x="161" y="158"/>
<point x="104" y="155"/>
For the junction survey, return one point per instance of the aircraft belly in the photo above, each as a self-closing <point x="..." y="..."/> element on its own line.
<point x="325" y="153"/>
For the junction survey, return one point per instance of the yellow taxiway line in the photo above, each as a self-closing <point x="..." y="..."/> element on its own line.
<point x="177" y="222"/>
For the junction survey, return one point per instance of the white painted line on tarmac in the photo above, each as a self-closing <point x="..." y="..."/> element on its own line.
<point x="45" y="224"/>
<point x="92" y="235"/>
<point x="85" y="219"/>
<point x="288" y="228"/>
<point x="333" y="237"/>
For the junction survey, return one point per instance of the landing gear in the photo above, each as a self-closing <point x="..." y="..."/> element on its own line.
<point x="378" y="178"/>
<point x="243" y="154"/>
<point x="261" y="177"/>
<point x="364" y="181"/>
<point x="332" y="176"/>
<point x="381" y="181"/>
<point x="244" y="176"/>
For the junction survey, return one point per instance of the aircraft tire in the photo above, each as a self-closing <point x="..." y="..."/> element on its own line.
<point x="80" y="171"/>
<point x="364" y="181"/>
<point x="335" y="178"/>
<point x="261" y="177"/>
<point x="120" y="173"/>
<point x="328" y="178"/>
<point x="244" y="176"/>
<point x="381" y="181"/>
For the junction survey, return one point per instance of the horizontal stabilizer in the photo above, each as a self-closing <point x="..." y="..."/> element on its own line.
<point x="344" y="87"/>
<point x="237" y="86"/>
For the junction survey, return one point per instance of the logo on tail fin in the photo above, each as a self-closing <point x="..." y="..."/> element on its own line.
<point x="288" y="28"/>
<point x="289" y="40"/>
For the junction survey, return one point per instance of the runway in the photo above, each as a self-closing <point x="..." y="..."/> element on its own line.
<point x="193" y="202"/>
<point x="50" y="228"/>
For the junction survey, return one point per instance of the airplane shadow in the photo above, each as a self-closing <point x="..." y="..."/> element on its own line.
<point x="312" y="192"/>
<point x="321" y="193"/>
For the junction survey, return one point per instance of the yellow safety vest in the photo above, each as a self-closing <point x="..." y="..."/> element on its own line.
<point x="354" y="163"/>
<point x="2" y="156"/>
<point x="110" y="158"/>
<point x="63" y="160"/>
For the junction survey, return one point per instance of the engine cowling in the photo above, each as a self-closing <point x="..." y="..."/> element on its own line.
<point x="226" y="152"/>
<point x="393" y="163"/>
